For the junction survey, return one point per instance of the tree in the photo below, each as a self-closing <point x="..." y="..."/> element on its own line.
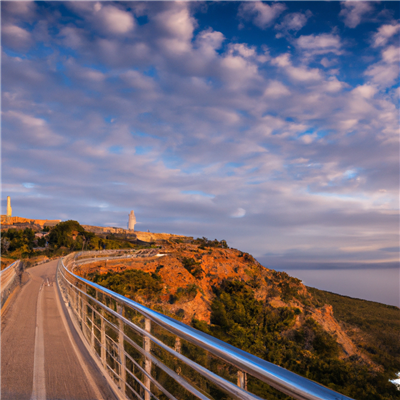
<point x="5" y="244"/>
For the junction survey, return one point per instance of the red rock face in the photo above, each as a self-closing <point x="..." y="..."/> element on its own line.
<point x="213" y="266"/>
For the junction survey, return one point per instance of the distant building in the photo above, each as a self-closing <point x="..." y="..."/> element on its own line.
<point x="9" y="209"/>
<point x="131" y="221"/>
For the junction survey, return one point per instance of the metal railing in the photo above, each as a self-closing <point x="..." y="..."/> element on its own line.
<point x="152" y="356"/>
<point x="10" y="278"/>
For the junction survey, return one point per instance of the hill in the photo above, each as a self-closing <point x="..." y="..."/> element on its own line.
<point x="347" y="344"/>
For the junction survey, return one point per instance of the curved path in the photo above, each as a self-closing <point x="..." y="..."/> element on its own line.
<point x="42" y="356"/>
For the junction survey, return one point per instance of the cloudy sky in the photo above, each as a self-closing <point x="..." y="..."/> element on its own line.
<point x="271" y="125"/>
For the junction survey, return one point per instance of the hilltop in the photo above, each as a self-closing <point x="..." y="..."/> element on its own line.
<point x="33" y="240"/>
<point x="227" y="293"/>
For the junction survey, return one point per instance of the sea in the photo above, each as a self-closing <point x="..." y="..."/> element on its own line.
<point x="376" y="284"/>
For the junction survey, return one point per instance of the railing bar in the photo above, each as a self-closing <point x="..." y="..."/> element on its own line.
<point x="149" y="376"/>
<point x="191" y="363"/>
<point x="141" y="369"/>
<point x="113" y="359"/>
<point x="134" y="391"/>
<point x="112" y="371"/>
<point x="216" y="379"/>
<point x="127" y="355"/>
<point x="171" y="373"/>
<point x="144" y="387"/>
<point x="137" y="380"/>
<point x="167" y="370"/>
<point x="117" y="375"/>
<point x="156" y="362"/>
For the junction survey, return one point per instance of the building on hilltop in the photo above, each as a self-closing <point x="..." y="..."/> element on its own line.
<point x="131" y="221"/>
<point x="8" y="219"/>
<point x="9" y="209"/>
<point x="5" y="219"/>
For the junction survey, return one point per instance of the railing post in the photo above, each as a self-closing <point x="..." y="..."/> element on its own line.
<point x="178" y="345"/>
<point x="77" y="304"/>
<point x="103" y="336"/>
<point x="84" y="311"/>
<point x="147" y="366"/>
<point x="121" y="349"/>
<point x="92" y="335"/>
<point x="242" y="380"/>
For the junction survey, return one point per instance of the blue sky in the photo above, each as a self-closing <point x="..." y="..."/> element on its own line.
<point x="271" y="125"/>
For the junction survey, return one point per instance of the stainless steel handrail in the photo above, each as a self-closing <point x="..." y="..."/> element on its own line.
<point x="281" y="379"/>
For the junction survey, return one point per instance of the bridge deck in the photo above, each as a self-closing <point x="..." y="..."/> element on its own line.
<point x="40" y="357"/>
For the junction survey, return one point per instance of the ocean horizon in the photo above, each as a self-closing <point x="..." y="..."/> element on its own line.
<point x="381" y="285"/>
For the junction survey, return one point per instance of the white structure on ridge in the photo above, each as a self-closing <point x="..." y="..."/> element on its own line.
<point x="9" y="209"/>
<point x="131" y="221"/>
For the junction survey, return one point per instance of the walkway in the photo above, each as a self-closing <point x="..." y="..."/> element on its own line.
<point x="40" y="358"/>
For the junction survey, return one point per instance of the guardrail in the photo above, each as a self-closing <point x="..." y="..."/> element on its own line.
<point x="10" y="278"/>
<point x="152" y="356"/>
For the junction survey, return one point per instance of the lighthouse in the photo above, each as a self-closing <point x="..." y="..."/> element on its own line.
<point x="9" y="209"/>
<point x="131" y="221"/>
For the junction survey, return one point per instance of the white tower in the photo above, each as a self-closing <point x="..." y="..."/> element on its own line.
<point x="131" y="221"/>
<point x="9" y="209"/>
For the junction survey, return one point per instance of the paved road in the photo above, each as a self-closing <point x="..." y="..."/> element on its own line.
<point x="41" y="358"/>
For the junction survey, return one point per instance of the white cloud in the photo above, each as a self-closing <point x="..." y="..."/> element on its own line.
<point x="88" y="75"/>
<point x="137" y="80"/>
<point x="242" y="49"/>
<point x="391" y="55"/>
<point x="366" y="91"/>
<point x="209" y="41"/>
<point x="385" y="32"/>
<point x="334" y="85"/>
<point x="276" y="89"/>
<point x="320" y="44"/>
<point x="112" y="19"/>
<point x="24" y="9"/>
<point x="15" y="37"/>
<point x="354" y="11"/>
<point x="176" y="21"/>
<point x="293" y="22"/>
<point x="239" y="213"/>
<point x="385" y="72"/>
<point x="308" y="138"/>
<point x="260" y="13"/>
<point x="32" y="130"/>
<point x="176" y="27"/>
<point x="328" y="63"/>
<point x="71" y="37"/>
<point x="300" y="73"/>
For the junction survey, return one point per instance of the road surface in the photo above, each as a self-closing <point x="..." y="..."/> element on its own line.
<point x="42" y="356"/>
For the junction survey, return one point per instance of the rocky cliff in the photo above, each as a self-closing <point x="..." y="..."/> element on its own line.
<point x="191" y="272"/>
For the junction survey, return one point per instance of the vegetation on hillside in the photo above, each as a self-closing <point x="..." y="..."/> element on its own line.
<point x="17" y="243"/>
<point x="284" y="335"/>
<point x="62" y="239"/>
<point x="134" y="284"/>
<point x="251" y="325"/>
<point x="375" y="326"/>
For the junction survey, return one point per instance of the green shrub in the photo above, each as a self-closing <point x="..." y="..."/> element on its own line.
<point x="192" y="266"/>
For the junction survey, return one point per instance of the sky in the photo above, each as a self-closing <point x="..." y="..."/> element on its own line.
<point x="271" y="125"/>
